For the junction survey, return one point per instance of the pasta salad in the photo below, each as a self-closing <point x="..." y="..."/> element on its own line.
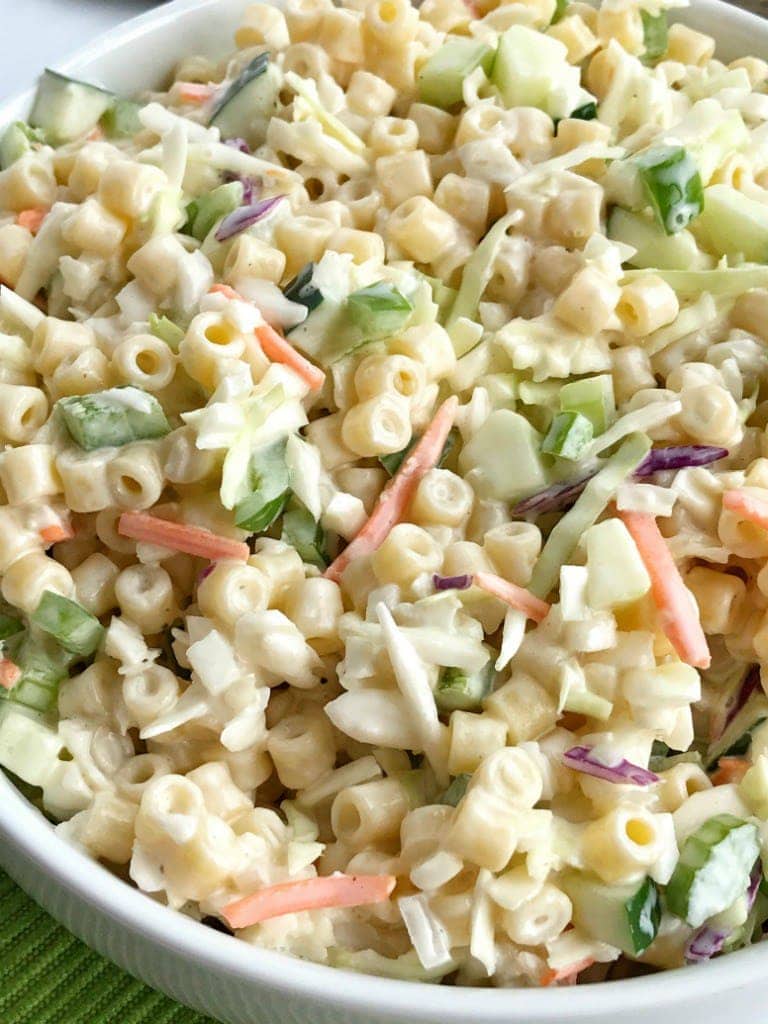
<point x="384" y="480"/>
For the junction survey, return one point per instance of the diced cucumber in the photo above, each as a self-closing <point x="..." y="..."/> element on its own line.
<point x="269" y="485"/>
<point x="17" y="139"/>
<point x="732" y="224"/>
<point x="625" y="916"/>
<point x="207" y="210"/>
<point x="616" y="575"/>
<point x="377" y="311"/>
<point x="455" y="791"/>
<point x="672" y="185"/>
<point x="583" y="702"/>
<point x="654" y="247"/>
<point x="43" y="667"/>
<point x="302" y="290"/>
<point x="393" y="462"/>
<point x="458" y="690"/>
<point x="112" y="418"/>
<point x="68" y="622"/>
<point x="655" y="35"/>
<point x="66" y="109"/>
<point x="593" y="398"/>
<point x="532" y="70"/>
<point x="504" y="457"/>
<point x="305" y="535"/>
<point x="9" y="626"/>
<point x="121" y="120"/>
<point x="28" y="746"/>
<point x="246" y="107"/>
<point x="568" y="435"/>
<point x="166" y="330"/>
<point x="441" y="79"/>
<point x="713" y="869"/>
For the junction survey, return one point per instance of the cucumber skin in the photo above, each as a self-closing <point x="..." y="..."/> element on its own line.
<point x="694" y="856"/>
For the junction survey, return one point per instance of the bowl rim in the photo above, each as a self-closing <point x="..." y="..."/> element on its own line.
<point x="25" y="831"/>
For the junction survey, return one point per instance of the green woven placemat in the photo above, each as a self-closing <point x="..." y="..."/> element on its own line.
<point x="47" y="976"/>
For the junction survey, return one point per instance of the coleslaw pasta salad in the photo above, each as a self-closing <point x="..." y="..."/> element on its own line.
<point x="385" y="495"/>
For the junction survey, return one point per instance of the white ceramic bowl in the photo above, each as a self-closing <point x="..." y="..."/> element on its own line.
<point x="228" y="979"/>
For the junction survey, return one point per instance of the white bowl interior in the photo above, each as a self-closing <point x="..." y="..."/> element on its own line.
<point x="131" y="58"/>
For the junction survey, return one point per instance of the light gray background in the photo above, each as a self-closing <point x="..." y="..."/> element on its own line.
<point x="36" y="33"/>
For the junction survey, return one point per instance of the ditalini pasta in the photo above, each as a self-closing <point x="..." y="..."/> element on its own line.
<point x="384" y="523"/>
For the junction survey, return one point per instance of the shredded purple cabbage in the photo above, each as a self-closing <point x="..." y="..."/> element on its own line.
<point x="581" y="760"/>
<point x="704" y="944"/>
<point x="755" y="879"/>
<point x="560" y="496"/>
<point x="240" y="144"/>
<point x="452" y="582"/>
<point x="679" y="456"/>
<point x="205" y="571"/>
<point x="251" y="187"/>
<point x="243" y="218"/>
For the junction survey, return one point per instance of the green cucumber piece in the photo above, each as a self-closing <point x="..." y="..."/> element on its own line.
<point x="9" y="626"/>
<point x="531" y="70"/>
<point x="655" y="35"/>
<point x="204" y="213"/>
<point x="593" y="398"/>
<point x="568" y="436"/>
<point x="441" y="80"/>
<point x="269" y="484"/>
<point x="66" y="109"/>
<point x="69" y="623"/>
<point x="505" y="455"/>
<point x="672" y="185"/>
<point x="44" y="665"/>
<point x="461" y="691"/>
<point x="121" y="120"/>
<point x="455" y="791"/>
<point x="166" y="330"/>
<point x="305" y="535"/>
<point x="625" y="916"/>
<point x="103" y="420"/>
<point x="654" y="247"/>
<point x="732" y="224"/>
<point x="17" y="139"/>
<point x="302" y="290"/>
<point x="246" y="107"/>
<point x="713" y="869"/>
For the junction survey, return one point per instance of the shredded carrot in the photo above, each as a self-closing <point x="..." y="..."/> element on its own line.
<point x="677" y="610"/>
<point x="226" y="291"/>
<point x="565" y="975"/>
<point x="95" y="134"/>
<point x="394" y="500"/>
<point x="10" y="673"/>
<point x="729" y="769"/>
<point x="32" y="219"/>
<point x="308" y="894"/>
<point x="747" y="506"/>
<point x="194" y="92"/>
<point x="516" y="597"/>
<point x="55" y="533"/>
<point x="275" y="347"/>
<point x="192" y="540"/>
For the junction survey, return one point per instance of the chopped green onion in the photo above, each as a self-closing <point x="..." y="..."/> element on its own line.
<point x="593" y="398"/>
<point x="587" y="112"/>
<point x="305" y="535"/>
<point x="378" y="311"/>
<point x="441" y="79"/>
<point x="166" y="330"/>
<point x="393" y="462"/>
<point x="43" y="668"/>
<point x="112" y="418"/>
<point x="561" y="6"/>
<point x="121" y="120"/>
<point x="9" y="626"/>
<point x="458" y="690"/>
<point x="206" y="211"/>
<point x="672" y="185"/>
<point x="269" y="484"/>
<point x="455" y="791"/>
<point x="302" y="290"/>
<point x="68" y="622"/>
<point x="655" y="35"/>
<point x="568" y="436"/>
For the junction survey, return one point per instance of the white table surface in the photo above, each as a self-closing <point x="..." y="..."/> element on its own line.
<point x="36" y="33"/>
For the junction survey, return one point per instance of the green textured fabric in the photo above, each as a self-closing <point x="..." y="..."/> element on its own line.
<point x="47" y="976"/>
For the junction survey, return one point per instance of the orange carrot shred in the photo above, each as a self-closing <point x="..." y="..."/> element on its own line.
<point x="565" y="975"/>
<point x="226" y="291"/>
<point x="276" y="348"/>
<point x="55" y="533"/>
<point x="729" y="769"/>
<point x="747" y="506"/>
<point x="394" y="500"/>
<point x="516" y="597"/>
<point x="192" y="540"/>
<point x="677" y="611"/>
<point x="32" y="219"/>
<point x="10" y="673"/>
<point x="308" y="894"/>
<point x="194" y="92"/>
